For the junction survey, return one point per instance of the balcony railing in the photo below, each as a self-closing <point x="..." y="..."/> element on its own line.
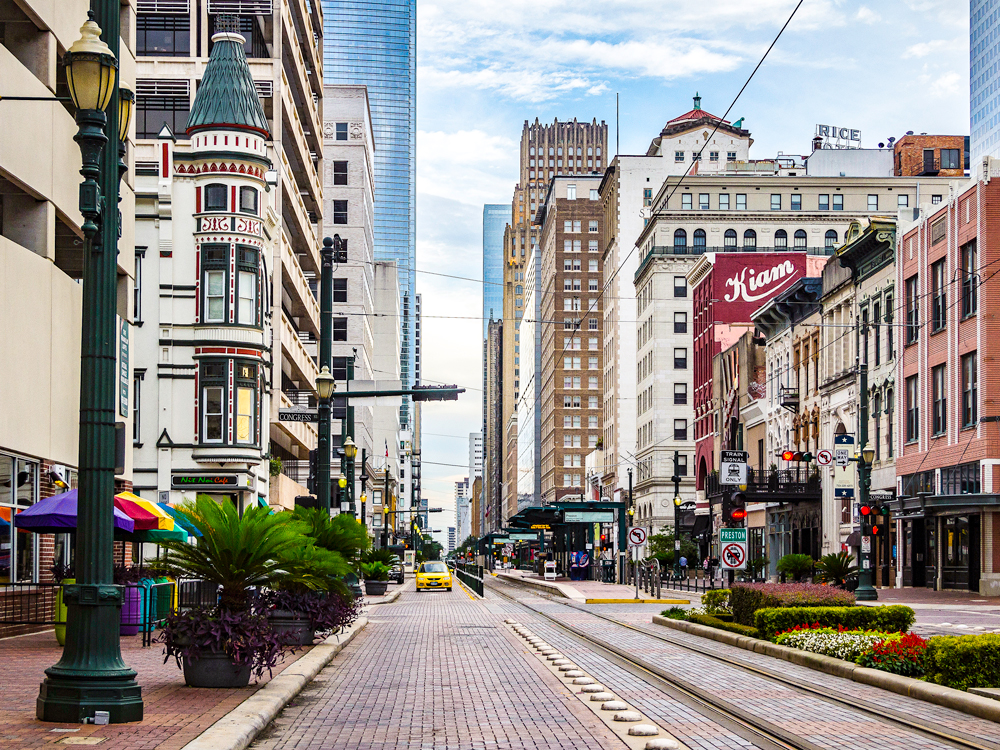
<point x="790" y="398"/>
<point x="778" y="485"/>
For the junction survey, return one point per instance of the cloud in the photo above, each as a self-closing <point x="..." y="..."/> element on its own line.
<point x="935" y="47"/>
<point x="867" y="15"/>
<point x="468" y="166"/>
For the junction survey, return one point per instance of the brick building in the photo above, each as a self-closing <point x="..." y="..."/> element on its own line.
<point x="931" y="155"/>
<point x="569" y="376"/>
<point x="948" y="452"/>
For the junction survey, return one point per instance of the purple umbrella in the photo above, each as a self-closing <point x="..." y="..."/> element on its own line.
<point x="57" y="515"/>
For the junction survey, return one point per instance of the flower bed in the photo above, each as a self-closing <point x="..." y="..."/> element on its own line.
<point x="894" y="618"/>
<point x="843" y="644"/>
<point x="746" y="598"/>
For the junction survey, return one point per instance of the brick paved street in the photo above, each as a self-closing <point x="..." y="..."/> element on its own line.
<point x="436" y="670"/>
<point x="174" y="714"/>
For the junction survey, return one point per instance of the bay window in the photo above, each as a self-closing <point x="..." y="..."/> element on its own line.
<point x="214" y="262"/>
<point x="246" y="381"/>
<point x="213" y="401"/>
<point x="246" y="286"/>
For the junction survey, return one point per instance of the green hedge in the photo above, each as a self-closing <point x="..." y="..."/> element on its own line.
<point x="746" y="598"/>
<point x="732" y="627"/>
<point x="963" y="661"/>
<point x="895" y="618"/>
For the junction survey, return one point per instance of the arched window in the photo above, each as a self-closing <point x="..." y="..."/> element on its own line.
<point x="750" y="239"/>
<point x="800" y="238"/>
<point x="831" y="238"/>
<point x="781" y="238"/>
<point x="519" y="289"/>
<point x="216" y="197"/>
<point x="699" y="239"/>
<point x="680" y="240"/>
<point x="730" y="240"/>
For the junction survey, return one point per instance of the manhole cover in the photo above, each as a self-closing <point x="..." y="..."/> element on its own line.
<point x="81" y="741"/>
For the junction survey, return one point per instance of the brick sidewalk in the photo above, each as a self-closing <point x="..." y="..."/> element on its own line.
<point x="174" y="714"/>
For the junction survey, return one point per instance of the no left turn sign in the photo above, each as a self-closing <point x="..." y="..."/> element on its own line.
<point x="824" y="457"/>
<point x="636" y="536"/>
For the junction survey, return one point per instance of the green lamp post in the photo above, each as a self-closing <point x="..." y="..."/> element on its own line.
<point x="91" y="675"/>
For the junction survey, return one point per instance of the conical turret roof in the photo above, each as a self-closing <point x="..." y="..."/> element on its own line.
<point x="227" y="97"/>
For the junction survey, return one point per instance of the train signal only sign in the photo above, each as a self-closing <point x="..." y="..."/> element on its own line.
<point x="636" y="536"/>
<point x="733" y="543"/>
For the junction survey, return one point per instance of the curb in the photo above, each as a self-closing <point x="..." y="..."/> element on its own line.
<point x="390" y="598"/>
<point x="237" y="729"/>
<point x="552" y="588"/>
<point x="637" y="601"/>
<point x="959" y="700"/>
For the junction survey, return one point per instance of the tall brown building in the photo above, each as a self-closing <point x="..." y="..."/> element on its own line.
<point x="562" y="148"/>
<point x="569" y="379"/>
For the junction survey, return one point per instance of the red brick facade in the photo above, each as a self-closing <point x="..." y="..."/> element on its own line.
<point x="917" y="155"/>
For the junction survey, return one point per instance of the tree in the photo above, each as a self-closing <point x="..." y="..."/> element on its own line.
<point x="661" y="546"/>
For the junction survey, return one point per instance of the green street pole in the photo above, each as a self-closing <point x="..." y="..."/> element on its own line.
<point x="91" y="675"/>
<point x="385" y="505"/>
<point x="676" y="478"/>
<point x="325" y="360"/>
<point x="865" y="591"/>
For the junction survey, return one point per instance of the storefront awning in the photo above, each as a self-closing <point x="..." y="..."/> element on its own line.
<point x="702" y="525"/>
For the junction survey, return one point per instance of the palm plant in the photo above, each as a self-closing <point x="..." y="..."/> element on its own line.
<point x="795" y="565"/>
<point x="382" y="555"/>
<point x="342" y="533"/>
<point x="235" y="552"/>
<point x="836" y="568"/>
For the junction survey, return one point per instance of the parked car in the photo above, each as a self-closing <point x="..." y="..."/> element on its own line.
<point x="397" y="573"/>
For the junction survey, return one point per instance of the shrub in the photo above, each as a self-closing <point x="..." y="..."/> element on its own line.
<point x="835" y="568"/>
<point x="843" y="644"/>
<point x="675" y="613"/>
<point x="899" y="654"/>
<point x="745" y="599"/>
<point x="375" y="571"/>
<point x="795" y="565"/>
<point x="963" y="661"/>
<point x="732" y="627"/>
<point x="716" y="601"/>
<point x="894" y="618"/>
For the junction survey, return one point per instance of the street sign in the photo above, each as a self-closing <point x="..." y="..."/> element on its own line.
<point x="588" y="516"/>
<point x="733" y="467"/>
<point x="866" y="545"/>
<point x="824" y="457"/>
<point x="636" y="536"/>
<point x="843" y="447"/>
<point x="508" y="549"/>
<point x="298" y="415"/>
<point x="733" y="535"/>
<point x="734" y="556"/>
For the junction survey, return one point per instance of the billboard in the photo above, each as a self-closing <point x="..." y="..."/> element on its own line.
<point x="743" y="282"/>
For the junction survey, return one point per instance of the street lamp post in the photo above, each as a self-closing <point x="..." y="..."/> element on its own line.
<point x="325" y="386"/>
<point x="91" y="675"/>
<point x="865" y="591"/>
<point x="323" y="447"/>
<point x="350" y="450"/>
<point x="364" y="484"/>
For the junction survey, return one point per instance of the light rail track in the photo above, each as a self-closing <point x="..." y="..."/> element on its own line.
<point x="753" y="728"/>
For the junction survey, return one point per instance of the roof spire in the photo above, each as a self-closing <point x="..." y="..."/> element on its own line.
<point x="697" y="100"/>
<point x="227" y="98"/>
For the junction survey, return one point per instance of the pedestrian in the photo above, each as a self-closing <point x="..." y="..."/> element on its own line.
<point x="684" y="565"/>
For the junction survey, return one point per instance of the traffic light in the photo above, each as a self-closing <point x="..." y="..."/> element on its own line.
<point x="313" y="470"/>
<point x="866" y="510"/>
<point x="436" y="392"/>
<point x="734" y="508"/>
<point x="797" y="456"/>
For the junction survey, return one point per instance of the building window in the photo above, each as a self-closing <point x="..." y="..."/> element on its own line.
<point x="680" y="242"/>
<point x="647" y="196"/>
<point x="214" y="264"/>
<point x="800" y="238"/>
<point x="964" y="479"/>
<point x="18" y="490"/>
<point x="686" y="201"/>
<point x="912" y="310"/>
<point x="341" y="131"/>
<point x="696" y="156"/>
<point x="730" y="238"/>
<point x="939" y="400"/>
<point x="680" y="359"/>
<point x="680" y="394"/>
<point x="902" y="201"/>
<point x="137" y="288"/>
<point x="877" y="416"/>
<point x="838" y="202"/>
<point x="213" y="401"/>
<point x="340" y="329"/>
<point x="730" y="156"/>
<point x="682" y="465"/>
<point x="876" y="338"/>
<point x="831" y="238"/>
<point x="938" y="307"/>
<point x="699" y="240"/>
<point x="340" y="290"/>
<point x="912" y="409"/>
<point x="890" y="424"/>
<point x="136" y="399"/>
<point x="340" y="212"/>
<point x="750" y="239"/>
<point x="246" y="287"/>
<point x="678" y="156"/>
<point x="890" y="336"/>
<point x="970" y="389"/>
<point x="151" y="112"/>
<point x="796" y="201"/>
<point x="781" y="238"/>
<point x="824" y="202"/>
<point x="680" y="286"/>
<point x="162" y="35"/>
<point x="592" y="227"/>
<point x="951" y="158"/>
<point x="935" y="199"/>
<point x="741" y="202"/>
<point x="571" y="192"/>
<point x="248" y="200"/>
<point x="680" y="429"/>
<point x="216" y="197"/>
<point x="873" y="201"/>
<point x="970" y="302"/>
<point x="703" y="201"/>
<point x="775" y="201"/>
<point x="594" y="194"/>
<point x="680" y="322"/>
<point x="713" y="155"/>
<point x="723" y="201"/>
<point x="340" y="173"/>
<point x="246" y="402"/>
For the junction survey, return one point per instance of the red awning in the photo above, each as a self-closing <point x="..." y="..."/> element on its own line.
<point x="142" y="518"/>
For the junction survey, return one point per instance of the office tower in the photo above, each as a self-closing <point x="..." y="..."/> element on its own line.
<point x="374" y="44"/>
<point x="475" y="455"/>
<point x="495" y="218"/>
<point x="984" y="80"/>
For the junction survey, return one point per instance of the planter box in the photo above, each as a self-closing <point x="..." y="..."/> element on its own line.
<point x="376" y="588"/>
<point x="132" y="606"/>
<point x="215" y="671"/>
<point x="301" y="633"/>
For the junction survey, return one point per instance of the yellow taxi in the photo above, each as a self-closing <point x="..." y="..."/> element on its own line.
<point x="433" y="575"/>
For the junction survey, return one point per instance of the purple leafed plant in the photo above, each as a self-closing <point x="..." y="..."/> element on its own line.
<point x="746" y="598"/>
<point x="326" y="611"/>
<point x="245" y="636"/>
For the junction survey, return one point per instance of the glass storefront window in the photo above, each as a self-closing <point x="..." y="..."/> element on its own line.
<point x="18" y="490"/>
<point x="956" y="541"/>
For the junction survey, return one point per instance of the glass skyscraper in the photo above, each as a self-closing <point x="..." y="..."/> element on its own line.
<point x="984" y="80"/>
<point x="374" y="43"/>
<point x="495" y="218"/>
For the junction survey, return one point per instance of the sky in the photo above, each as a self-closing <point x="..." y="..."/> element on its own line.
<point x="484" y="67"/>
